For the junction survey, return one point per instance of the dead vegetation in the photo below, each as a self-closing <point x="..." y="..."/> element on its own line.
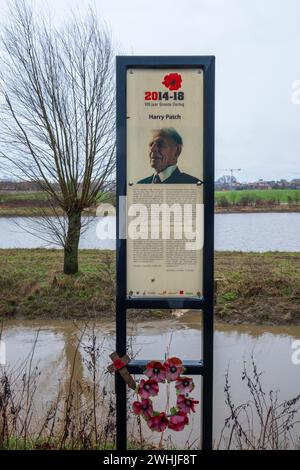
<point x="258" y="287"/>
<point x="263" y="422"/>
<point x="262" y="288"/>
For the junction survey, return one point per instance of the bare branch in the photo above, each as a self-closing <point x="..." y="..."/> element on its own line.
<point x="57" y="125"/>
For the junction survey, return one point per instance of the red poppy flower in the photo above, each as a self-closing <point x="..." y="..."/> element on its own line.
<point x="174" y="368"/>
<point x="184" y="385"/>
<point x="148" y="388"/>
<point x="143" y="408"/>
<point x="155" y="370"/>
<point x="172" y="81"/>
<point x="118" y="364"/>
<point x="178" y="421"/>
<point x="186" y="404"/>
<point x="158" y="423"/>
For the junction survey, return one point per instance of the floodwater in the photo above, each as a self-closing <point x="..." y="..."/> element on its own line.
<point x="234" y="232"/>
<point x="271" y="347"/>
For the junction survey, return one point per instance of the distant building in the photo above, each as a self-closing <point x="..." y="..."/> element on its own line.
<point x="227" y="183"/>
<point x="295" y="183"/>
<point x="9" y="185"/>
<point x="262" y="185"/>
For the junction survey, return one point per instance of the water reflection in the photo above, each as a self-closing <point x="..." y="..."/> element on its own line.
<point x="57" y="346"/>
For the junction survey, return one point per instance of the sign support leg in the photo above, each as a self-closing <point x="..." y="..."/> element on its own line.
<point x="120" y="384"/>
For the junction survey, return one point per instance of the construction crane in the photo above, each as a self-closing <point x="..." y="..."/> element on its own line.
<point x="231" y="173"/>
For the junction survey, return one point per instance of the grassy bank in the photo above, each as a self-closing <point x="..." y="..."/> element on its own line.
<point x="31" y="284"/>
<point x="251" y="287"/>
<point x="25" y="204"/>
<point x="35" y="203"/>
<point x="277" y="200"/>
<point x="258" y="287"/>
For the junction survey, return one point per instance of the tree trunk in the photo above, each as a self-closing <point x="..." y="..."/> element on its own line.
<point x="72" y="242"/>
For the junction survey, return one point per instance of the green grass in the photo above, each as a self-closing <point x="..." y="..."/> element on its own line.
<point x="19" y="443"/>
<point x="17" y="196"/>
<point x="277" y="196"/>
<point x="29" y="204"/>
<point x="251" y="287"/>
<point x="32" y="284"/>
<point x="22" y="196"/>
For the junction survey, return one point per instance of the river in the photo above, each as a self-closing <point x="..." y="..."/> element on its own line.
<point x="234" y="232"/>
<point x="270" y="346"/>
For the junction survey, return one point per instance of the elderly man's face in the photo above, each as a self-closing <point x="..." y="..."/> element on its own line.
<point x="164" y="152"/>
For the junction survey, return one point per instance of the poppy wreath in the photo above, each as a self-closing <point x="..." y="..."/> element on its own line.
<point x="157" y="372"/>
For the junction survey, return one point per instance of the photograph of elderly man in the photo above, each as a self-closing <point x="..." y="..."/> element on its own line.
<point x="164" y="149"/>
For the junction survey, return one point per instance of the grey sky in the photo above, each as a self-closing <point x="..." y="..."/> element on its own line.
<point x="256" y="44"/>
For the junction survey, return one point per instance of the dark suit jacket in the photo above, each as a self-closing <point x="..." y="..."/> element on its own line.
<point x="176" y="177"/>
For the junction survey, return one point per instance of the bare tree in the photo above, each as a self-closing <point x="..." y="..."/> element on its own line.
<point x="57" y="114"/>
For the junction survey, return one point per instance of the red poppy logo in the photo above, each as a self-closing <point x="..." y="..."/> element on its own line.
<point x="172" y="81"/>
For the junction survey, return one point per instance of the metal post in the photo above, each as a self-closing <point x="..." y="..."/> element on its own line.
<point x="208" y="287"/>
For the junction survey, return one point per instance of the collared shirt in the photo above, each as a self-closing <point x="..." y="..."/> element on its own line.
<point x="166" y="173"/>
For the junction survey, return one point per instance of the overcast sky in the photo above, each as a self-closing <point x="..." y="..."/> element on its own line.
<point x="257" y="49"/>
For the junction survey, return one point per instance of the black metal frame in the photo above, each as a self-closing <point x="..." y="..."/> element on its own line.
<point x="202" y="367"/>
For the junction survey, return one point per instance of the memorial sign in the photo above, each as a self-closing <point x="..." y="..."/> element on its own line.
<point x="165" y="182"/>
<point x="165" y="211"/>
